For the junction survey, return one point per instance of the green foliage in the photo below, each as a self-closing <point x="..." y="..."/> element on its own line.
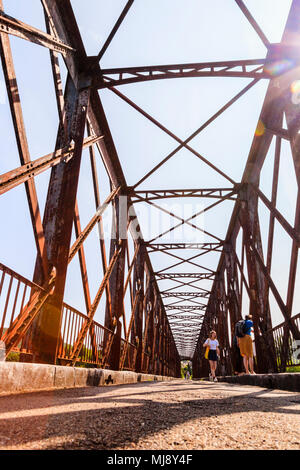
<point x="293" y="369"/>
<point x="13" y="357"/>
<point x="185" y="367"/>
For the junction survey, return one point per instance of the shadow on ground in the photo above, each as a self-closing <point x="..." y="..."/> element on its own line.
<point x="108" y="421"/>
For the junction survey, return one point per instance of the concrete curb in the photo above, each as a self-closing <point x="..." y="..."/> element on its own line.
<point x="287" y="381"/>
<point x="18" y="377"/>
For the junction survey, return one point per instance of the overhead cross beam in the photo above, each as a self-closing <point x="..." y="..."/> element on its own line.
<point x="185" y="294"/>
<point x="199" y="276"/>
<point x="183" y="246"/>
<point x="191" y="137"/>
<point x="150" y="195"/>
<point x="185" y="307"/>
<point x="236" y="69"/>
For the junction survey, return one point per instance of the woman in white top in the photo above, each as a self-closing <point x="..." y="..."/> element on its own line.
<point x="213" y="354"/>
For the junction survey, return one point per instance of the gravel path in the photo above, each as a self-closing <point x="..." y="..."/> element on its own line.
<point x="166" y="415"/>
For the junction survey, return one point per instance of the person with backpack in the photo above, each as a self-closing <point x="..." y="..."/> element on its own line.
<point x="213" y="344"/>
<point x="243" y="333"/>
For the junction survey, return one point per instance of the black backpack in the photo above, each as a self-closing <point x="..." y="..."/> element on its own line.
<point x="239" y="329"/>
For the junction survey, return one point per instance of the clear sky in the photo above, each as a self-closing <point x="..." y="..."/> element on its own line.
<point x="154" y="32"/>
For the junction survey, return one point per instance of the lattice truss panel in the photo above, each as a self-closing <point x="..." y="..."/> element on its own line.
<point x="129" y="277"/>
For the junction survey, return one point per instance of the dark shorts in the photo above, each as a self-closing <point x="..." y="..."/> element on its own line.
<point x="212" y="355"/>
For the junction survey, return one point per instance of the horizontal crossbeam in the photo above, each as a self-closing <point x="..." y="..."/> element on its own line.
<point x="186" y="294"/>
<point x="233" y="68"/>
<point x="182" y="316"/>
<point x="25" y="172"/>
<point x="183" y="246"/>
<point x="184" y="275"/>
<point x="185" y="307"/>
<point x="150" y="195"/>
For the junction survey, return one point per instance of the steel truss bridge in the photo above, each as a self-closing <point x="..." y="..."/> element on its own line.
<point x="162" y="325"/>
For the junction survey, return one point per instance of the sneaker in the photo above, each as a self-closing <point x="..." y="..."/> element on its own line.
<point x="210" y="378"/>
<point x="215" y="379"/>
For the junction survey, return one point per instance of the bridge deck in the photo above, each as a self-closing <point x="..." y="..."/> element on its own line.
<point x="175" y="415"/>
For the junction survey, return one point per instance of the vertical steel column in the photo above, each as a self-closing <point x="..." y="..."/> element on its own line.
<point x="116" y="281"/>
<point x="138" y="285"/>
<point x="151" y="326"/>
<point x="58" y="220"/>
<point x="234" y="304"/>
<point x="163" y="344"/>
<point x="160" y="340"/>
<point x="222" y="328"/>
<point x="264" y="344"/>
<point x="149" y="311"/>
<point x="155" y="338"/>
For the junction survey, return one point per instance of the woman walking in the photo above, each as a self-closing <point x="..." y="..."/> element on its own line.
<point x="213" y="344"/>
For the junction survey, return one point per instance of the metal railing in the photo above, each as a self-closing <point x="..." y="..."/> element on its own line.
<point x="145" y="364"/>
<point x="128" y="355"/>
<point x="96" y="345"/>
<point x="285" y="346"/>
<point x="15" y="292"/>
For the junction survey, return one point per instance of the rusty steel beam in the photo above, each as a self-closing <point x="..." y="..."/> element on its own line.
<point x="183" y="246"/>
<point x="95" y="219"/>
<point x="180" y="317"/>
<point x="9" y="25"/>
<point x="185" y="294"/>
<point x="116" y="281"/>
<point x="192" y="136"/>
<point x="87" y="324"/>
<point x="58" y="220"/>
<point x="100" y="222"/>
<point x="184" y="260"/>
<point x="184" y="299"/>
<point x="82" y="261"/>
<point x="293" y="232"/>
<point x="150" y="195"/>
<point x="185" y="284"/>
<point x="184" y="221"/>
<point x="115" y="29"/>
<point x="29" y="170"/>
<point x="112" y="77"/>
<point x="253" y="23"/>
<point x="199" y="276"/>
<point x="186" y="307"/>
<point x="23" y="148"/>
